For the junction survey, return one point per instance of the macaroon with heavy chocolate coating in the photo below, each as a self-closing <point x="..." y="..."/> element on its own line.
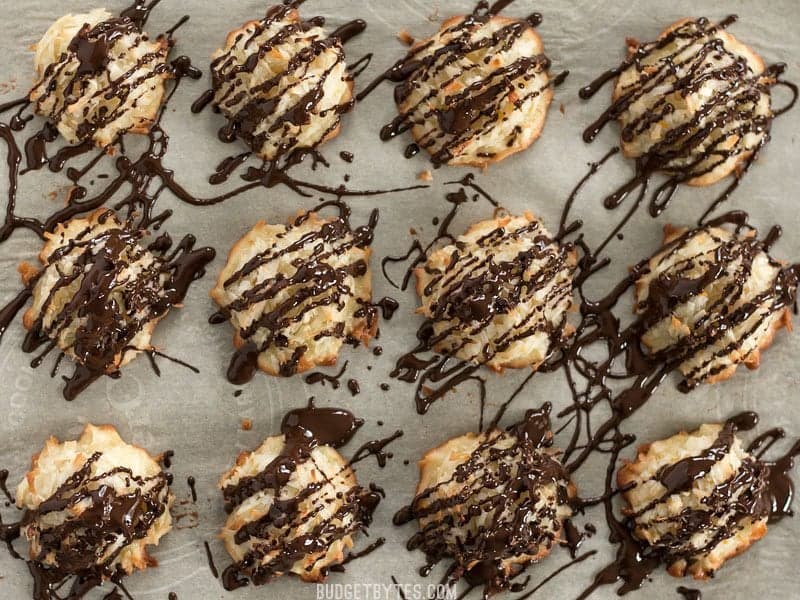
<point x="696" y="499"/>
<point x="296" y="293"/>
<point x="500" y="294"/>
<point x="99" y="76"/>
<point x="92" y="507"/>
<point x="492" y="502"/>
<point x="712" y="299"/>
<point x="474" y="93"/>
<point x="282" y="82"/>
<point x="100" y="293"/>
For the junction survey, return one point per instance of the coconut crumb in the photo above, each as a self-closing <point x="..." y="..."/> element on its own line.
<point x="404" y="36"/>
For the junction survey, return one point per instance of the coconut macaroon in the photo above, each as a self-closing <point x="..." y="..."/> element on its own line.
<point x="99" y="294"/>
<point x="282" y="83"/>
<point x="475" y="92"/>
<point x="92" y="506"/>
<point x="697" y="499"/>
<point x="99" y="76"/>
<point x="499" y="295"/>
<point x="295" y="293"/>
<point x="294" y="502"/>
<point x="695" y="103"/>
<point x="492" y="502"/>
<point x="712" y="299"/>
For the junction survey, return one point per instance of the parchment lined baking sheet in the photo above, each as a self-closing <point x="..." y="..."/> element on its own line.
<point x="198" y="416"/>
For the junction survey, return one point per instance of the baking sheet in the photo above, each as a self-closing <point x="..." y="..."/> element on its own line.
<point x="198" y="416"/>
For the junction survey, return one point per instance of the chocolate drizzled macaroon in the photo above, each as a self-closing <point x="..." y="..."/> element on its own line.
<point x="500" y="294"/>
<point x="294" y="502"/>
<point x="695" y="103"/>
<point x="295" y="293"/>
<point x="712" y="299"/>
<point x="282" y="82"/>
<point x="99" y="76"/>
<point x="697" y="499"/>
<point x="493" y="502"/>
<point x="100" y="294"/>
<point x="92" y="507"/>
<point x="475" y="92"/>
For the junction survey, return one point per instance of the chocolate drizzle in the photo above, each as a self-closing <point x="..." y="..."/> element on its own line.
<point x="498" y="509"/>
<point x="78" y="548"/>
<point x="465" y="120"/>
<point x="729" y="127"/>
<point x="280" y="545"/>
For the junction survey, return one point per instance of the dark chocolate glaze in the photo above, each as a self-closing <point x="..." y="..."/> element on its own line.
<point x="190" y="481"/>
<point x="210" y="560"/>
<point x="324" y="378"/>
<point x="303" y="429"/>
<point x="472" y="111"/>
<point x="727" y="126"/>
<point x="499" y="483"/>
<point x="77" y="554"/>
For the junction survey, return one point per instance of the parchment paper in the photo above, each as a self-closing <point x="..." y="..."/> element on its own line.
<point x="198" y="416"/>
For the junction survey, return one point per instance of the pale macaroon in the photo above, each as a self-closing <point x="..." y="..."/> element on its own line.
<point x="656" y="513"/>
<point x="87" y="105"/>
<point x="318" y="326"/>
<point x="696" y="108"/>
<point x="694" y="255"/>
<point x="452" y="499"/>
<point x="284" y="82"/>
<point x="445" y="81"/>
<point x="58" y="461"/>
<point x="529" y="306"/>
<point x="325" y="468"/>
<point x="60" y="257"/>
